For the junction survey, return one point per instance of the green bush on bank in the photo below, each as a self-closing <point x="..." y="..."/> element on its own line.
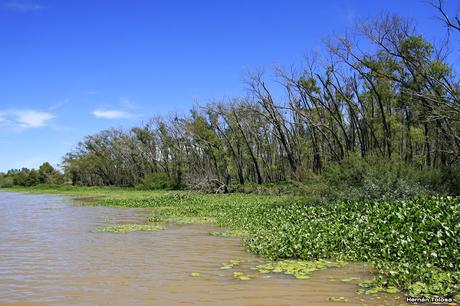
<point x="359" y="179"/>
<point x="154" y="181"/>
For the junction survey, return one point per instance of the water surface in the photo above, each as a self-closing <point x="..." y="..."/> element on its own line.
<point x="51" y="254"/>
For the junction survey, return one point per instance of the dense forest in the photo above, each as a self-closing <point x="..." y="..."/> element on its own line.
<point x="382" y="96"/>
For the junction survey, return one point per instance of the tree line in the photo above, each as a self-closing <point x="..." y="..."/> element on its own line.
<point x="382" y="92"/>
<point x="397" y="98"/>
<point x="45" y="174"/>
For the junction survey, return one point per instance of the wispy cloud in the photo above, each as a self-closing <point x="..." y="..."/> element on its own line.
<point x="33" y="119"/>
<point x="23" y="6"/>
<point x="58" y="105"/>
<point x="111" y="114"/>
<point x="24" y="119"/>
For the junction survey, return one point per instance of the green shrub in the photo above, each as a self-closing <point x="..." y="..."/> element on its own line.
<point x="445" y="180"/>
<point x="6" y="182"/>
<point x="154" y="181"/>
<point x="360" y="179"/>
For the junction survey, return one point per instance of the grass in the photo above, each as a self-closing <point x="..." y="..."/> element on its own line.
<point x="412" y="243"/>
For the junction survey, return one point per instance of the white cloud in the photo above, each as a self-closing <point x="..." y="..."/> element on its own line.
<point x="33" y="119"/>
<point x="58" y="105"/>
<point x="111" y="114"/>
<point x="22" y="119"/>
<point x="23" y="6"/>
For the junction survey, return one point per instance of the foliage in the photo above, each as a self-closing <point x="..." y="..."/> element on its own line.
<point x="46" y="174"/>
<point x="300" y="269"/>
<point x="361" y="179"/>
<point x="126" y="228"/>
<point x="154" y="181"/>
<point x="385" y="101"/>
<point x="6" y="182"/>
<point x="413" y="243"/>
<point x="361" y="144"/>
<point x="445" y="180"/>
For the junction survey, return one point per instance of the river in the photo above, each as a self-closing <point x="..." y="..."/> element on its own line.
<point x="52" y="254"/>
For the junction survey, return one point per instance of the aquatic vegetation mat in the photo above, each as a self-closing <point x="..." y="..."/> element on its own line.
<point x="232" y="263"/>
<point x="126" y="228"/>
<point x="229" y="233"/>
<point x="300" y="269"/>
<point x="412" y="244"/>
<point x="242" y="276"/>
<point x="195" y="274"/>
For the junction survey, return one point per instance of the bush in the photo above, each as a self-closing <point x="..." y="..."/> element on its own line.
<point x="445" y="180"/>
<point x="357" y="179"/>
<point x="6" y="182"/>
<point x="154" y="181"/>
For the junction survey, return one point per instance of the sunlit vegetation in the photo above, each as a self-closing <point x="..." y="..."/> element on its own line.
<point x="45" y="174"/>
<point x="232" y="263"/>
<point x="411" y="243"/>
<point x="195" y="274"/>
<point x="297" y="268"/>
<point x="242" y="276"/>
<point x="229" y="233"/>
<point x="383" y="94"/>
<point x="360" y="161"/>
<point x="127" y="228"/>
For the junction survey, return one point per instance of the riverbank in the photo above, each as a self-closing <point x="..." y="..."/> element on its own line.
<point x="413" y="244"/>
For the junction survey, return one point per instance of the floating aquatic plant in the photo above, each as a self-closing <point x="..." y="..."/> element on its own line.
<point x="338" y="299"/>
<point x="300" y="269"/>
<point x="242" y="276"/>
<point x="126" y="228"/>
<point x="230" y="264"/>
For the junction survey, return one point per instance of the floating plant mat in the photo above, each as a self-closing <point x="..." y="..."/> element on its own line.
<point x="300" y="269"/>
<point x="355" y="276"/>
<point x="229" y="233"/>
<point x="126" y="228"/>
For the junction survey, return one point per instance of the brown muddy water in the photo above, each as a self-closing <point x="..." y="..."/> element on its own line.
<point x="51" y="254"/>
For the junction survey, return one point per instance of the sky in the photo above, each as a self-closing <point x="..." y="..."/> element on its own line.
<point x="73" y="68"/>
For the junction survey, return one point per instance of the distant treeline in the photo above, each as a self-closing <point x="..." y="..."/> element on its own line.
<point x="45" y="174"/>
<point x="382" y="94"/>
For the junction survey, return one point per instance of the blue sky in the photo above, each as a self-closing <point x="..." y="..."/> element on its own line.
<point x="73" y="68"/>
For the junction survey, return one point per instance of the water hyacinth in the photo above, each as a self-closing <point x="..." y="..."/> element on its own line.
<point x="298" y="268"/>
<point x="126" y="228"/>
<point x="412" y="244"/>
